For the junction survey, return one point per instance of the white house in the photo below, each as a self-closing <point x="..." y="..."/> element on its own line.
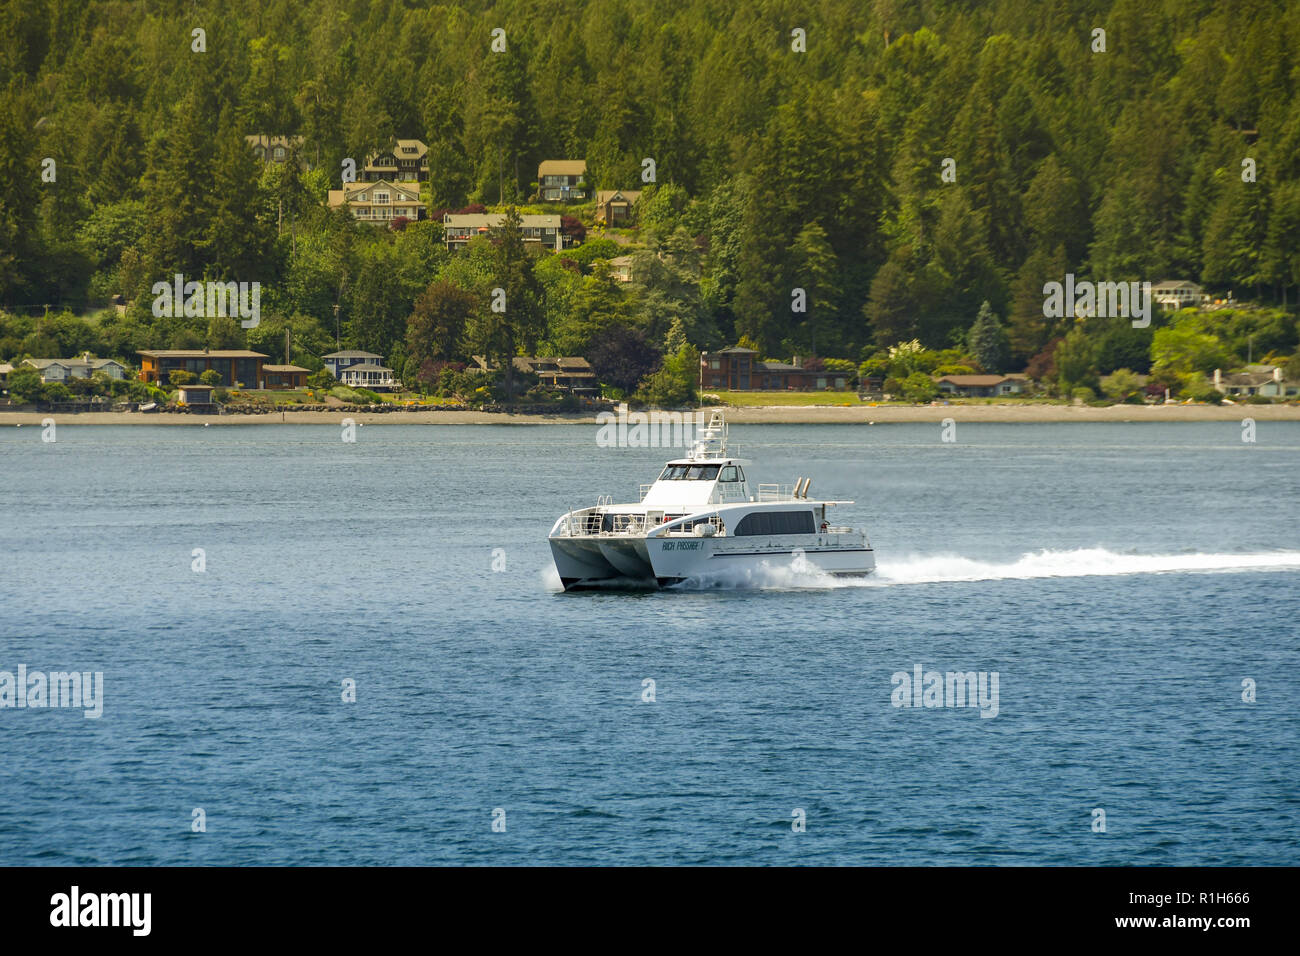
<point x="368" y="375"/>
<point x="1266" y="381"/>
<point x="1173" y="294"/>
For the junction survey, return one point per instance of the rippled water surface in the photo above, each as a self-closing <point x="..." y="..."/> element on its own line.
<point x="1122" y="580"/>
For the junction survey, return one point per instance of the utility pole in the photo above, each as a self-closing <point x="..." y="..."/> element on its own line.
<point x="336" y="326"/>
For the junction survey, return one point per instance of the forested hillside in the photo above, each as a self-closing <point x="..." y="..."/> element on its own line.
<point x="781" y="159"/>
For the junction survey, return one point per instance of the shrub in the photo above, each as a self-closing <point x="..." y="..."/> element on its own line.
<point x="55" y="392"/>
<point x="1203" y="391"/>
<point x="919" y="387"/>
<point x="182" y="377"/>
<point x="210" y="377"/>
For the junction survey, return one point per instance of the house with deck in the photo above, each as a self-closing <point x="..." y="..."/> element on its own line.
<point x="407" y="161"/>
<point x="569" y="373"/>
<point x="336" y="362"/>
<point x="561" y="180"/>
<point x="545" y="231"/>
<point x="379" y="202"/>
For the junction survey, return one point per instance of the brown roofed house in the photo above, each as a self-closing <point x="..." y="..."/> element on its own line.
<point x="407" y="161"/>
<point x="614" y="206"/>
<point x="561" y="180"/>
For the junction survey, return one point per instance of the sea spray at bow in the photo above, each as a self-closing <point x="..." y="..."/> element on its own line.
<point x="938" y="569"/>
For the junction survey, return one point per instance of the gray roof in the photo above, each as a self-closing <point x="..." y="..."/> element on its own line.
<point x="351" y="353"/>
<point x="366" y="367"/>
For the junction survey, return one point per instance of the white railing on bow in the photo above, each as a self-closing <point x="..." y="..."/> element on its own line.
<point x="773" y="492"/>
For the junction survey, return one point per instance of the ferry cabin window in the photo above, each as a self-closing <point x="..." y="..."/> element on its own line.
<point x="776" y="522"/>
<point x="732" y="473"/>
<point x="690" y="473"/>
<point x="702" y="472"/>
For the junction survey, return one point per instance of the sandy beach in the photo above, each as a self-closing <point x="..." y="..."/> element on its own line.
<point x="751" y="415"/>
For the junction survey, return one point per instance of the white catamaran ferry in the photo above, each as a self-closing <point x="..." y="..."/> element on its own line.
<point x="703" y="518"/>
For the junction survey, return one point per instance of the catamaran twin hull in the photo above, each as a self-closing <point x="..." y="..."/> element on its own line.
<point x="702" y="519"/>
<point x="591" y="562"/>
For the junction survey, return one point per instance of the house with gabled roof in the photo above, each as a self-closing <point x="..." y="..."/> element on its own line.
<point x="1266" y="381"/>
<point x="614" y="206"/>
<point x="1173" y="294"/>
<point x="60" y="370"/>
<point x="407" y="161"/>
<point x="273" y="149"/>
<point x="336" y="362"/>
<point x="571" y="373"/>
<point x="379" y="202"/>
<point x="561" y="180"/>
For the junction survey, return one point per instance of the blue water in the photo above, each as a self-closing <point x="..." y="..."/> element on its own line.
<point x="480" y="689"/>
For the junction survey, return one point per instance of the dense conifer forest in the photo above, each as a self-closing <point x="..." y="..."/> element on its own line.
<point x="901" y="164"/>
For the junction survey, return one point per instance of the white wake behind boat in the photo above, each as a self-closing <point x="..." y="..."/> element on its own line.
<point x="703" y="518"/>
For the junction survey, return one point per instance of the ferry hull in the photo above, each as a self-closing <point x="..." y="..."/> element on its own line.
<point x="586" y="563"/>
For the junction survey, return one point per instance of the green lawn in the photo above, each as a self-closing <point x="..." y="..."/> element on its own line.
<point x="787" y="398"/>
<point x="741" y="399"/>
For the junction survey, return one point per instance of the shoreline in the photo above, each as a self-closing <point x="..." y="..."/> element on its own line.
<point x="746" y="415"/>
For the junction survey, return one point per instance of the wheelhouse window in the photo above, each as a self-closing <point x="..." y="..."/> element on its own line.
<point x="776" y="522"/>
<point x="690" y="473"/>
<point x="732" y="473"/>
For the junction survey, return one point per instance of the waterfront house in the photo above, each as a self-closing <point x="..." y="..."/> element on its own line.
<point x="407" y="161"/>
<point x="1266" y="381"/>
<point x="570" y="373"/>
<point x="284" y="376"/>
<point x="561" y="180"/>
<point x="614" y="206"/>
<point x="982" y="386"/>
<point x="336" y="362"/>
<point x="237" y="367"/>
<point x="60" y="370"/>
<point x="458" y="230"/>
<point x="739" y="369"/>
<point x="380" y="201"/>
<point x="5" y="369"/>
<point x="369" y="375"/>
